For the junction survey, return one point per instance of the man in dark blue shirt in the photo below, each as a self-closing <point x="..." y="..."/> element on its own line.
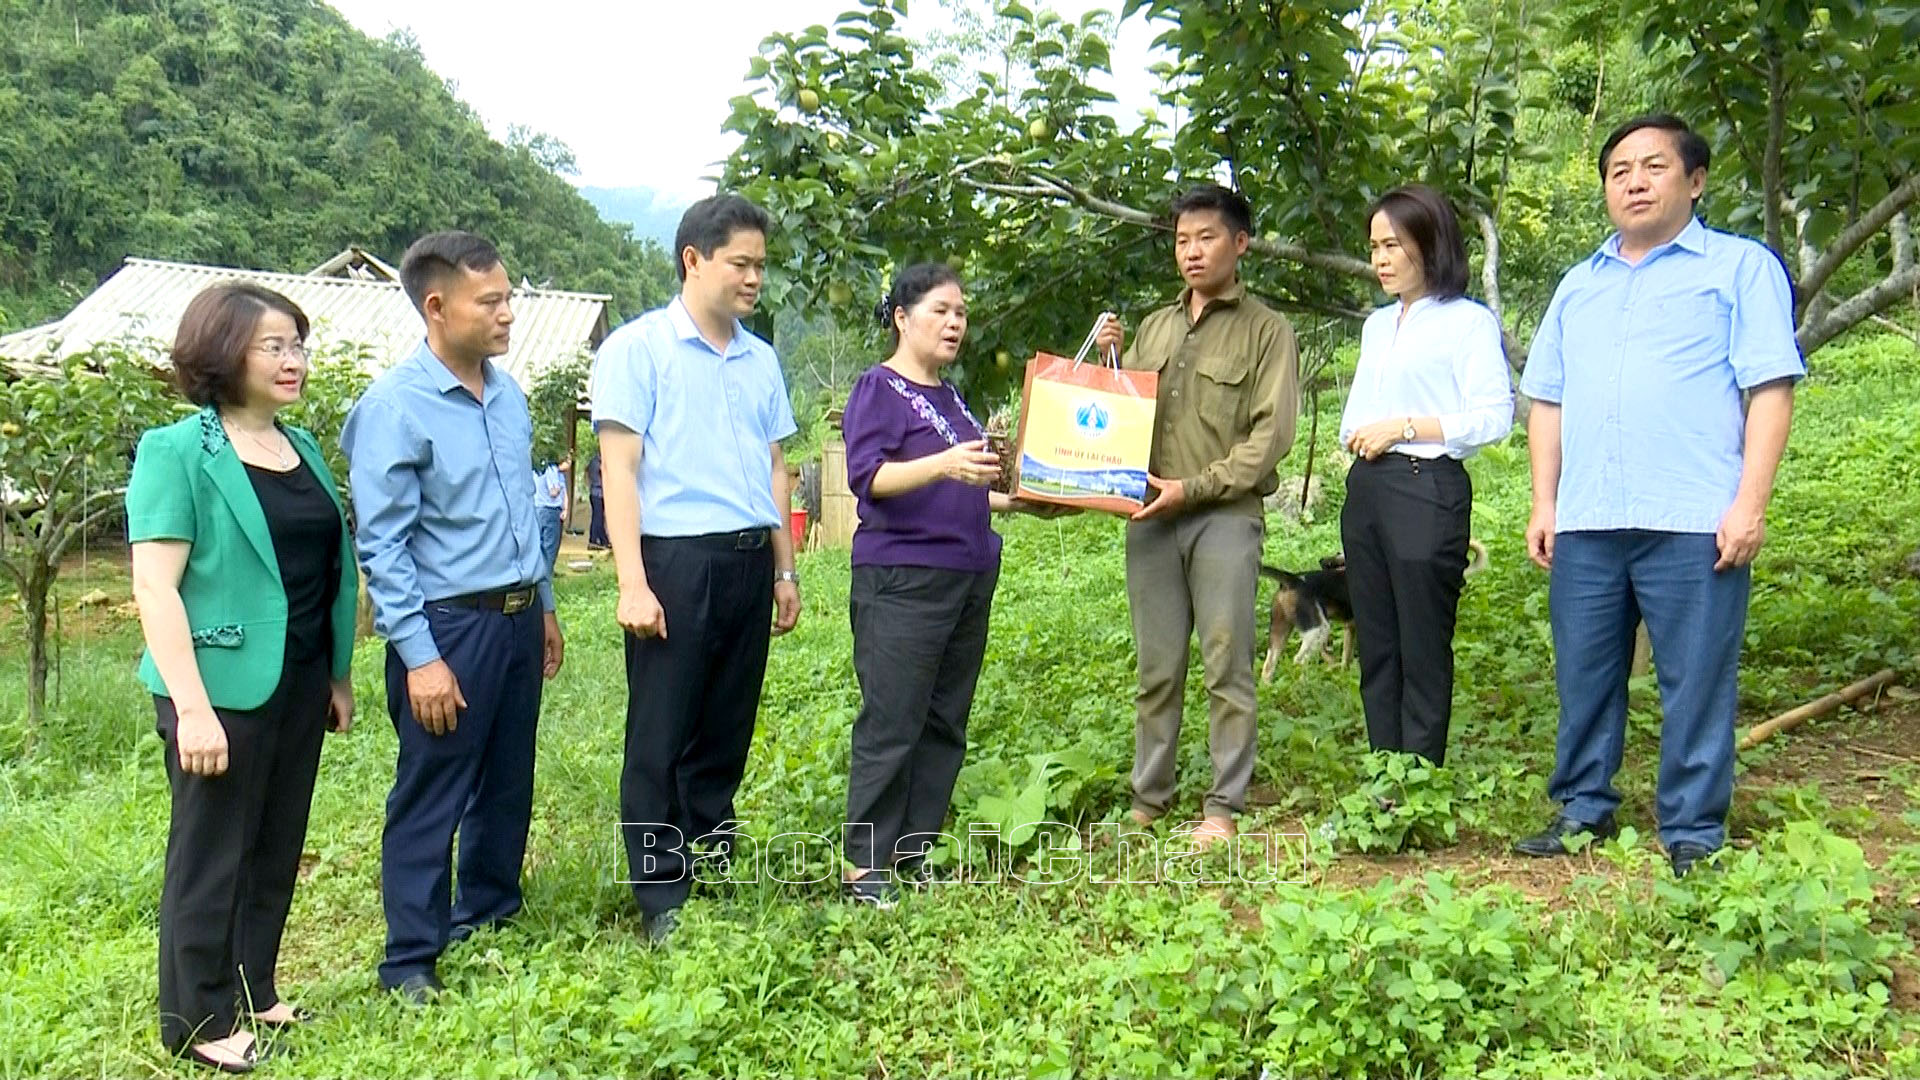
<point x="597" y="503"/>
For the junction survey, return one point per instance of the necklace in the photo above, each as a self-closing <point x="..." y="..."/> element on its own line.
<point x="279" y="455"/>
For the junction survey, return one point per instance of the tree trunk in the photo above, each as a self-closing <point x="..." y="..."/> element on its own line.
<point x="33" y="599"/>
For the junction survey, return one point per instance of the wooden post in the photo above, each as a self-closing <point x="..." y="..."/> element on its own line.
<point x="839" y="513"/>
<point x="1795" y="717"/>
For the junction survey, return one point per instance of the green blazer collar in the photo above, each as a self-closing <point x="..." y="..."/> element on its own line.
<point x="229" y="477"/>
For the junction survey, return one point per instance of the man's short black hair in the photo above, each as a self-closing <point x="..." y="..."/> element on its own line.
<point x="710" y="223"/>
<point x="1695" y="154"/>
<point x="1232" y="206"/>
<point x="437" y="256"/>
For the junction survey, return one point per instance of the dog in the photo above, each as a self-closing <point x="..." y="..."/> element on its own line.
<point x="1312" y="602"/>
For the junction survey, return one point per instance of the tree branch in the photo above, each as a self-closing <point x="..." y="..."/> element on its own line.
<point x="1310" y="307"/>
<point x="47" y="492"/>
<point x="1290" y="87"/>
<point x="13" y="520"/>
<point x="1045" y="186"/>
<point x="1724" y="104"/>
<point x="1076" y="267"/>
<point x="1806" y="307"/>
<point x="1805" y="254"/>
<point x="82" y="510"/>
<point x="1018" y="191"/>
<point x="1479" y="86"/>
<point x="1888" y="324"/>
<point x="1856" y="309"/>
<point x="1490" y="266"/>
<point x="66" y="538"/>
<point x="1515" y="348"/>
<point x="1771" y="178"/>
<point x="1814" y="280"/>
<point x="1062" y="189"/>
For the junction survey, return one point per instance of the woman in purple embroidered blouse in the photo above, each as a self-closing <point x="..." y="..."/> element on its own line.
<point x="924" y="567"/>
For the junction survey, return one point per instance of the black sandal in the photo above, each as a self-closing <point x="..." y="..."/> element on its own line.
<point x="300" y="1016"/>
<point x="248" y="1060"/>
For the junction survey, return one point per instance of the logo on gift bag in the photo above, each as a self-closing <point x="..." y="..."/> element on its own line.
<point x="1091" y="420"/>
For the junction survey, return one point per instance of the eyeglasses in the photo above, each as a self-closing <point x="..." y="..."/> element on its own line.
<point x="280" y="350"/>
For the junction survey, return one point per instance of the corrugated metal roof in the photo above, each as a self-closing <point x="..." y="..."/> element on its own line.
<point x="146" y="297"/>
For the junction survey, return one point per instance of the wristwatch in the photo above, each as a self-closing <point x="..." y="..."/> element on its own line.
<point x="787" y="575"/>
<point x="1408" y="434"/>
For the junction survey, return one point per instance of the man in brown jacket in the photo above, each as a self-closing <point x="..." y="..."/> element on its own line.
<point x="1229" y="395"/>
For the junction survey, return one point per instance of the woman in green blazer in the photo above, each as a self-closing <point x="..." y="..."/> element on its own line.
<point x="244" y="574"/>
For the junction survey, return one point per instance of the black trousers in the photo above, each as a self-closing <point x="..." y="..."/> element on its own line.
<point x="233" y="854"/>
<point x="475" y="781"/>
<point x="919" y="636"/>
<point x="1405" y="529"/>
<point x="691" y="701"/>
<point x="597" y="520"/>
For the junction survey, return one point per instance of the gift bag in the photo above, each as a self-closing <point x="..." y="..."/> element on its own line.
<point x="1086" y="428"/>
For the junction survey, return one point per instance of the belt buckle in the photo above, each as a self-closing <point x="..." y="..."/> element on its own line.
<point x="749" y="541"/>
<point x="516" y="602"/>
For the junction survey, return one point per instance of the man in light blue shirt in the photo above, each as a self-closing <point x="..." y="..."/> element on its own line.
<point x="439" y="450"/>
<point x="1651" y="482"/>
<point x="690" y="409"/>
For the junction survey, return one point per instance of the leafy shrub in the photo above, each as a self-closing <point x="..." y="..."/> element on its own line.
<point x="1063" y="786"/>
<point x="1386" y="982"/>
<point x="1431" y="981"/>
<point x="1806" y="895"/>
<point x="1404" y="799"/>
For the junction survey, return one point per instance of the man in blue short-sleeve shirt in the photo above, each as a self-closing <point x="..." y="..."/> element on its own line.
<point x="1662" y="382"/>
<point x="690" y="408"/>
<point x="438" y="450"/>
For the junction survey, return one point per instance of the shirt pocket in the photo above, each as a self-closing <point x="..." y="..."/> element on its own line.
<point x="1219" y="389"/>
<point x="1694" y="322"/>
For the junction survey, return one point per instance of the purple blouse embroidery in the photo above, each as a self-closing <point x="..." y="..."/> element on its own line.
<point x="925" y="410"/>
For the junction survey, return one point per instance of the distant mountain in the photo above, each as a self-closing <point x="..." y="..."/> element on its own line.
<point x="259" y="133"/>
<point x="653" y="214"/>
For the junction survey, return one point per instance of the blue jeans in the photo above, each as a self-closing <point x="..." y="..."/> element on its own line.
<point x="1603" y="584"/>
<point x="549" y="518"/>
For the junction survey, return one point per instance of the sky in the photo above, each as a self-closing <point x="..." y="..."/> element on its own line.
<point x="621" y="82"/>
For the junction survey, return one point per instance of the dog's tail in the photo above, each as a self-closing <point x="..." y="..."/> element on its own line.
<point x="1480" y="561"/>
<point x="1283" y="577"/>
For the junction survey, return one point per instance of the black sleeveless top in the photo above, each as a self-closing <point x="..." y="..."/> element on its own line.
<point x="305" y="526"/>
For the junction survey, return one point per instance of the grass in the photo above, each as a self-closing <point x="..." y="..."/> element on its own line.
<point x="1455" y="961"/>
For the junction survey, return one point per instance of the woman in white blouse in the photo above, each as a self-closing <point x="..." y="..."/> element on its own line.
<point x="1432" y="387"/>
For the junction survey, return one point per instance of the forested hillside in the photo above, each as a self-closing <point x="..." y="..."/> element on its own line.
<point x="259" y="133"/>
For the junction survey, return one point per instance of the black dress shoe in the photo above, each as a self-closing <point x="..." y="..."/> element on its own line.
<point x="419" y="989"/>
<point x="1548" y="842"/>
<point x="661" y="925"/>
<point x="873" y="891"/>
<point x="1686" y="854"/>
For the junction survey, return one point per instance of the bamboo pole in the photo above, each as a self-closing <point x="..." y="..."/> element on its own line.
<point x="1795" y="717"/>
